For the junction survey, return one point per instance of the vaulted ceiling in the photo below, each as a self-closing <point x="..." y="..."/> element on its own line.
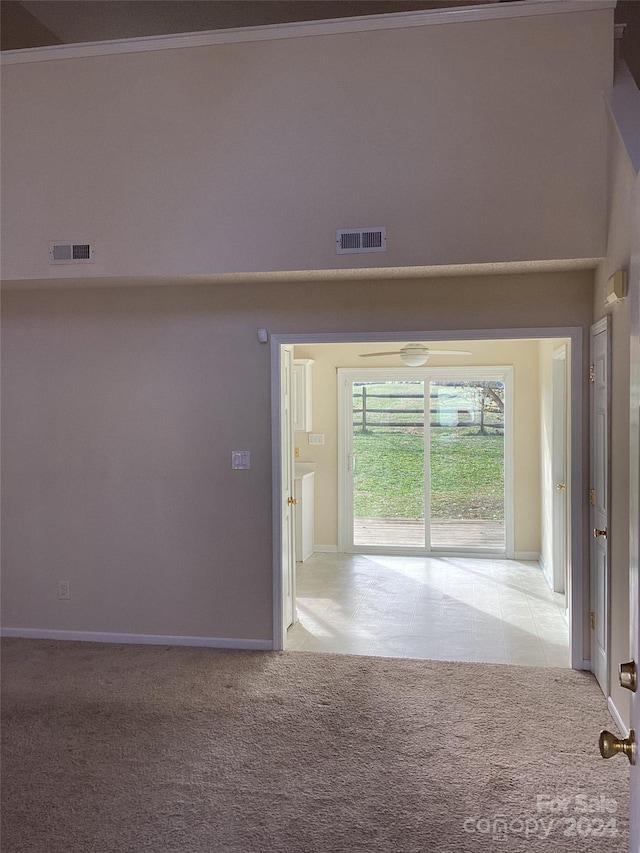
<point x="32" y="23"/>
<point x="35" y="23"/>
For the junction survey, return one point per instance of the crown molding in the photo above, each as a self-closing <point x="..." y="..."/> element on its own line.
<point x="305" y="29"/>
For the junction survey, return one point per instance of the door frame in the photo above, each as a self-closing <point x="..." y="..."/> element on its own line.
<point x="602" y="507"/>
<point x="559" y="446"/>
<point x="288" y="539"/>
<point x="578" y="583"/>
<point x="634" y="505"/>
<point x="424" y="374"/>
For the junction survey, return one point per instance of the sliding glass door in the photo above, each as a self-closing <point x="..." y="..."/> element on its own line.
<point x="423" y="460"/>
<point x="388" y="463"/>
<point x="467" y="464"/>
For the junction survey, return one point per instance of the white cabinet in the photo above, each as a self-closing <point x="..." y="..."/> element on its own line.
<point x="302" y="394"/>
<point x="304" y="485"/>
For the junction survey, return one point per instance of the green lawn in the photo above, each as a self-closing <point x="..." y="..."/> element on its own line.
<point x="467" y="479"/>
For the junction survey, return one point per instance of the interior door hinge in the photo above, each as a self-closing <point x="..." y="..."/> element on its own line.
<point x="592" y="497"/>
<point x="592" y="373"/>
<point x="592" y="620"/>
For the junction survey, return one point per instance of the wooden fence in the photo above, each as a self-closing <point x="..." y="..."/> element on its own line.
<point x="456" y="417"/>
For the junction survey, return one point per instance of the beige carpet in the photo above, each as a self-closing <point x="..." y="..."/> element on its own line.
<point x="177" y="750"/>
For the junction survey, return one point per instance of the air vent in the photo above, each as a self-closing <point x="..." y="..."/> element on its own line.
<point x="359" y="240"/>
<point x="71" y="253"/>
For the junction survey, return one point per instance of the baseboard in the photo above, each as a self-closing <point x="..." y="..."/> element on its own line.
<point x="529" y="556"/>
<point x="546" y="571"/>
<point x="586" y="665"/>
<point x="140" y="639"/>
<point x="616" y="716"/>
<point x="326" y="549"/>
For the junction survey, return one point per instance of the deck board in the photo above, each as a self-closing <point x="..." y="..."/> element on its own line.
<point x="445" y="533"/>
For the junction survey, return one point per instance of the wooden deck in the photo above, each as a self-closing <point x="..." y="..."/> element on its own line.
<point x="445" y="533"/>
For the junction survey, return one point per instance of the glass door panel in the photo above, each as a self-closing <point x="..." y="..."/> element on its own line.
<point x="388" y="464"/>
<point x="467" y="464"/>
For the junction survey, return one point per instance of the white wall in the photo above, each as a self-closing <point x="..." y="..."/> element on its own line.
<point x="120" y="411"/>
<point x="523" y="355"/>
<point x="472" y="142"/>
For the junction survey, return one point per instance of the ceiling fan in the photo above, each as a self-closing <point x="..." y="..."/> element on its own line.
<point x="415" y="355"/>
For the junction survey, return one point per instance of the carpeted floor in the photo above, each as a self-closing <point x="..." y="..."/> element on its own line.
<point x="181" y="750"/>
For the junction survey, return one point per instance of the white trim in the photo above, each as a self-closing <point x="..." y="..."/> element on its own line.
<point x="303" y="276"/>
<point x="325" y="549"/>
<point x="436" y="553"/>
<point x="601" y="326"/>
<point x="530" y="557"/>
<point x="586" y="665"/>
<point x="139" y="639"/>
<point x="616" y="716"/>
<point x="559" y="555"/>
<point x="509" y="460"/>
<point x="577" y="610"/>
<point x="575" y="473"/>
<point x="546" y="571"/>
<point x="345" y="442"/>
<point x="279" y="627"/>
<point x="303" y="29"/>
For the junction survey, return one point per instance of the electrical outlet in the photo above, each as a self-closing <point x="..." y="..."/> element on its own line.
<point x="64" y="590"/>
<point x="296" y="453"/>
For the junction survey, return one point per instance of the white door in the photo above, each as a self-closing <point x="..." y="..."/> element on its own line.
<point x="634" y="532"/>
<point x="559" y="465"/>
<point x="287" y="496"/>
<point x="599" y="502"/>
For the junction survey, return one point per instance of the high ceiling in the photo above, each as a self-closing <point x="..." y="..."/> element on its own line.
<point x="33" y="23"/>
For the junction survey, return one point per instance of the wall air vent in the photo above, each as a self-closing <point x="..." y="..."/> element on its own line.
<point x="359" y="240"/>
<point x="71" y="253"/>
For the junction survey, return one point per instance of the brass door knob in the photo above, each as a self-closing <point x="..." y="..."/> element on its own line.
<point x="611" y="745"/>
<point x="597" y="532"/>
<point x="628" y="675"/>
<point x="292" y="501"/>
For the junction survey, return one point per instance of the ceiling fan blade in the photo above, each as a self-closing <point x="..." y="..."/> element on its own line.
<point x="449" y="352"/>
<point x="370" y="354"/>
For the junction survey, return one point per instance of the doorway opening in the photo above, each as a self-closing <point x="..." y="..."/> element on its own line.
<point x="441" y="608"/>
<point x="514" y="544"/>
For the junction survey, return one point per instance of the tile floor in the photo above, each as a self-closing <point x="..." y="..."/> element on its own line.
<point x="443" y="608"/>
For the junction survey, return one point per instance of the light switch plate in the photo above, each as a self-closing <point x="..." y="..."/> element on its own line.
<point x="240" y="459"/>
<point x="316" y="438"/>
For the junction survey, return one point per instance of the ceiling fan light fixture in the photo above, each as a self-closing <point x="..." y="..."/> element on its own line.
<point x="414" y="355"/>
<point x="415" y="360"/>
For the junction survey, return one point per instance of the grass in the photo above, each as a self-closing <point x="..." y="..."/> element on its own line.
<point x="467" y="477"/>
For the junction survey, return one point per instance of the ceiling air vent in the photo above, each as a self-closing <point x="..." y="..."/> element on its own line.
<point x="71" y="253"/>
<point x="359" y="240"/>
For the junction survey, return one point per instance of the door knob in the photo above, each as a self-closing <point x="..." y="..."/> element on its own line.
<point x="628" y="675"/>
<point x="292" y="501"/>
<point x="597" y="532"/>
<point x="611" y="745"/>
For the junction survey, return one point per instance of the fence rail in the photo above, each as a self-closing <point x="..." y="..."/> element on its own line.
<point x="459" y="417"/>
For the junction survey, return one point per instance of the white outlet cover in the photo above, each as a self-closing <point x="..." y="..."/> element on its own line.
<point x="240" y="459"/>
<point x="316" y="438"/>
